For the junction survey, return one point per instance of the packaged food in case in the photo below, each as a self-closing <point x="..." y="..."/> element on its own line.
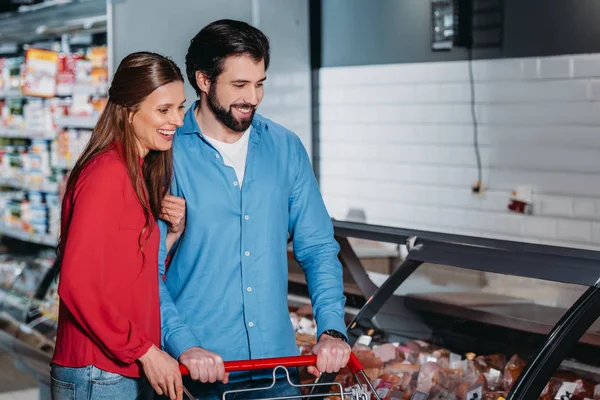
<point x="513" y="369"/>
<point x="496" y="361"/>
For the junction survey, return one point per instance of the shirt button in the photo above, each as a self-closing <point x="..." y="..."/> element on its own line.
<point x="250" y="324"/>
<point x="217" y="155"/>
<point x="249" y="289"/>
<point x="247" y="254"/>
<point x="235" y="183"/>
<point x="246" y="217"/>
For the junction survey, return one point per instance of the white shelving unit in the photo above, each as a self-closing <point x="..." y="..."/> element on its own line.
<point x="31" y="237"/>
<point x="18" y="184"/>
<point x="27" y="134"/>
<point x="75" y="121"/>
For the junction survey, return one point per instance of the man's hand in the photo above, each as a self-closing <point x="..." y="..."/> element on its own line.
<point x="204" y="366"/>
<point x="173" y="211"/>
<point x="162" y="371"/>
<point x="332" y="355"/>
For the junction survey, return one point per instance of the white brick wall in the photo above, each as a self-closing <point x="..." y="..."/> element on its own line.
<point x="396" y="141"/>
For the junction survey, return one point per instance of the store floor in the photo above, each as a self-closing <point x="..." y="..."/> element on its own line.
<point x="14" y="383"/>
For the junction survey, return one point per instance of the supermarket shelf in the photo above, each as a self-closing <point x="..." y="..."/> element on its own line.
<point x="13" y="133"/>
<point x="80" y="89"/>
<point x="11" y="94"/>
<point x="17" y="184"/>
<point x="11" y="299"/>
<point x="31" y="237"/>
<point x="82" y="122"/>
<point x="34" y="359"/>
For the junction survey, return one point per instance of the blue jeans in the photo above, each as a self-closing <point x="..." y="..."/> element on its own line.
<point x="215" y="391"/>
<point x="91" y="383"/>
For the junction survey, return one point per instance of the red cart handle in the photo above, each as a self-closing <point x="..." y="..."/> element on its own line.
<point x="270" y="363"/>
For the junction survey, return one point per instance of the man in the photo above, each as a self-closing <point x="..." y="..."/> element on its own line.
<point x="247" y="184"/>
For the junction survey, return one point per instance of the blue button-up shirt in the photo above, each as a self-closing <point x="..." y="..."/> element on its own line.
<point x="227" y="284"/>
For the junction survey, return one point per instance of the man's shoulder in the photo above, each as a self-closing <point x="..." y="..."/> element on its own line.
<point x="274" y="129"/>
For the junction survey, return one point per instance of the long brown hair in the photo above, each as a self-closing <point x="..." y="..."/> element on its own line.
<point x="137" y="76"/>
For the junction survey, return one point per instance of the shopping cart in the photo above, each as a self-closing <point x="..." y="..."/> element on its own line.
<point x="356" y="392"/>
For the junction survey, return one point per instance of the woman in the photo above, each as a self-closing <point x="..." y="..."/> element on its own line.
<point x="108" y="339"/>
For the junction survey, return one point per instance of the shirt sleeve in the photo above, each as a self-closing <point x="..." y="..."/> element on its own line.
<point x="177" y="336"/>
<point x="315" y="247"/>
<point x="96" y="211"/>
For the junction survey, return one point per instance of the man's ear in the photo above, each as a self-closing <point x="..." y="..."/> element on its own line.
<point x="203" y="82"/>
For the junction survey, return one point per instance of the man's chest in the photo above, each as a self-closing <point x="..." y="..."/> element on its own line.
<point x="213" y="192"/>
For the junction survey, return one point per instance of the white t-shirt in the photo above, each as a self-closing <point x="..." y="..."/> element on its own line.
<point x="234" y="154"/>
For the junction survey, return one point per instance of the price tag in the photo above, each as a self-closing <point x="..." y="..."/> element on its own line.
<point x="419" y="396"/>
<point x="455" y="358"/>
<point x="396" y="395"/>
<point x="566" y="391"/>
<point x="383" y="388"/>
<point x="475" y="392"/>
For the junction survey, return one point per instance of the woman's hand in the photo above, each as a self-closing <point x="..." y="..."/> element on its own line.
<point x="162" y="371"/>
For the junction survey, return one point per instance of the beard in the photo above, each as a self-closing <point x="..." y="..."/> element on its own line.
<point x="226" y="116"/>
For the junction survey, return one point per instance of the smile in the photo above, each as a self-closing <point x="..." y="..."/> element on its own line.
<point x="244" y="109"/>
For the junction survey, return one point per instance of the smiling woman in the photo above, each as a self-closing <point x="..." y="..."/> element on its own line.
<point x="159" y="115"/>
<point x="108" y="340"/>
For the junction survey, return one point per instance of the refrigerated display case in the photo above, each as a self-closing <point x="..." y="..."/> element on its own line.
<point x="450" y="342"/>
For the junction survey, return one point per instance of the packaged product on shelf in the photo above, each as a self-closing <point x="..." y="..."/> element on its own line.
<point x="13" y="161"/>
<point x="83" y="72"/>
<point x="3" y="77"/>
<point x="7" y="151"/>
<point x="98" y="56"/>
<point x="5" y="198"/>
<point x="3" y="112"/>
<point x="37" y="115"/>
<point x="10" y="269"/>
<point x="81" y="106"/>
<point x="38" y="168"/>
<point x="11" y="70"/>
<point x="53" y="204"/>
<point x="40" y="73"/>
<point x="35" y="218"/>
<point x="98" y="104"/>
<point x="12" y="114"/>
<point x="12" y="214"/>
<point x="69" y="146"/>
<point x="65" y="78"/>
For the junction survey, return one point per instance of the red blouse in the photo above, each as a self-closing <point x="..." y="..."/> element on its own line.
<point x="109" y="312"/>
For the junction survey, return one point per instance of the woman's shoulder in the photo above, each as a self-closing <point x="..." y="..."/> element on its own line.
<point x="107" y="167"/>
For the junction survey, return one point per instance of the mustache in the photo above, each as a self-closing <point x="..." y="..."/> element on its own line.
<point x="243" y="105"/>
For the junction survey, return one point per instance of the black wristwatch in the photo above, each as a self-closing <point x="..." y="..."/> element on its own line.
<point x="335" y="334"/>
